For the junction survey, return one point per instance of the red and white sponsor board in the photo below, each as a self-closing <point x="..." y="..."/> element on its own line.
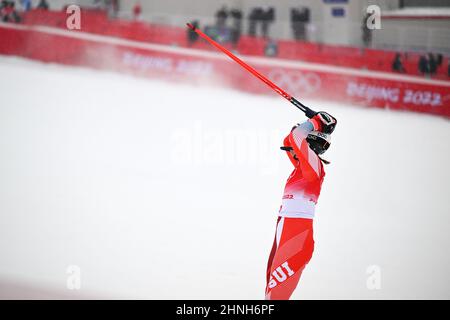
<point x="302" y="80"/>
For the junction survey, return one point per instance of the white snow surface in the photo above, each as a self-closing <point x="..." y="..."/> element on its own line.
<point x="158" y="190"/>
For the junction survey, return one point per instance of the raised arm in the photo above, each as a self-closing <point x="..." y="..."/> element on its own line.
<point x="309" y="161"/>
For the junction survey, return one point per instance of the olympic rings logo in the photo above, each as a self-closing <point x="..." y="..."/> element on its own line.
<point x="296" y="81"/>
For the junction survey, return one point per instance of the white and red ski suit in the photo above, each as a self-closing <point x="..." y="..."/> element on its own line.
<point x="294" y="244"/>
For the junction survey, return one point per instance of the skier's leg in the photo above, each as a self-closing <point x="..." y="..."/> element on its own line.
<point x="272" y="253"/>
<point x="294" y="246"/>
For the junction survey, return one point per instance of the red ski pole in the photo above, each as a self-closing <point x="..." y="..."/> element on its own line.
<point x="308" y="112"/>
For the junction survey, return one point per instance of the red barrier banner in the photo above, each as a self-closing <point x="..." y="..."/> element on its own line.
<point x="302" y="80"/>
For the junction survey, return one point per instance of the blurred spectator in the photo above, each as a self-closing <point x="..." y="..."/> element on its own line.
<point x="397" y="64"/>
<point x="26" y="5"/>
<point x="254" y="16"/>
<point x="429" y="63"/>
<point x="8" y="12"/>
<point x="191" y="34"/>
<point x="423" y="65"/>
<point x="439" y="59"/>
<point x="43" y="4"/>
<point x="435" y="62"/>
<point x="137" y="10"/>
<point x="366" y="32"/>
<point x="262" y="16"/>
<point x="236" y="14"/>
<point x="271" y="48"/>
<point x="267" y="17"/>
<point x="221" y="17"/>
<point x="299" y="20"/>
<point x="448" y="68"/>
<point x="432" y="64"/>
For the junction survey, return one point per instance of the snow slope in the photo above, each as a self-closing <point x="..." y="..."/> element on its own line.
<point x="159" y="190"/>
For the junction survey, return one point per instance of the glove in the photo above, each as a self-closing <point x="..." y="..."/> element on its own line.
<point x="326" y="122"/>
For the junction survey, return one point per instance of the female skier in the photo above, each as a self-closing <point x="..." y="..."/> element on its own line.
<point x="294" y="244"/>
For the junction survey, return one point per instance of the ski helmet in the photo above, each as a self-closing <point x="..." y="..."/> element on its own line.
<point x="318" y="141"/>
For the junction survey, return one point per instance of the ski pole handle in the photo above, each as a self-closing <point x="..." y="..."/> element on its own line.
<point x="308" y="111"/>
